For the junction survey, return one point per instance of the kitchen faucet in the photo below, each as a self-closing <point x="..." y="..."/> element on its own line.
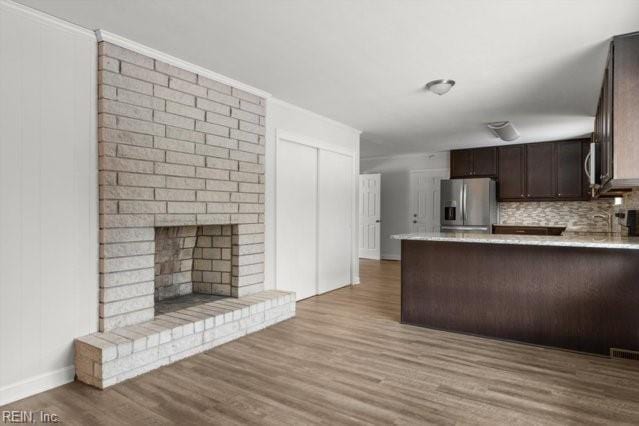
<point x="607" y="218"/>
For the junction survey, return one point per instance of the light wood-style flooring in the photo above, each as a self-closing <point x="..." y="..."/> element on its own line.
<point x="345" y="359"/>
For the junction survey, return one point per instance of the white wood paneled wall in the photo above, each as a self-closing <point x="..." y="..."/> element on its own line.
<point x="48" y="198"/>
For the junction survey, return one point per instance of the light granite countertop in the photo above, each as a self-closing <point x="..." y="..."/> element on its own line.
<point x="595" y="241"/>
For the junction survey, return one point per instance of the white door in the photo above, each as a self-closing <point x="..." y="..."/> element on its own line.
<point x="369" y="215"/>
<point x="296" y="218"/>
<point x="424" y="199"/>
<point x="334" y="230"/>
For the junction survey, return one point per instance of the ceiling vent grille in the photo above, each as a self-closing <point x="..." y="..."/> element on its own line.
<point x="624" y="354"/>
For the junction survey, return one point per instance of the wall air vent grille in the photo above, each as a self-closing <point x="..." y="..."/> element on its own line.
<point x="624" y="354"/>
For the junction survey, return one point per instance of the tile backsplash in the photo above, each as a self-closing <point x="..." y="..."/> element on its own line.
<point x="577" y="216"/>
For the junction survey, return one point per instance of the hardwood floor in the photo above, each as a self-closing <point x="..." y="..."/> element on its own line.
<point x="345" y="359"/>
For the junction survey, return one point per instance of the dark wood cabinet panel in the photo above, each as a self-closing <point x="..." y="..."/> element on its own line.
<point x="511" y="181"/>
<point x="570" y="169"/>
<point x="461" y="163"/>
<point x="540" y="170"/>
<point x="485" y="162"/>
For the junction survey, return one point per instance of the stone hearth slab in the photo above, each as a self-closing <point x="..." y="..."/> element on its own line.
<point x="105" y="358"/>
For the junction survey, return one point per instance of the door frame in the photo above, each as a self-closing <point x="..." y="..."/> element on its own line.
<point x="317" y="144"/>
<point x="444" y="171"/>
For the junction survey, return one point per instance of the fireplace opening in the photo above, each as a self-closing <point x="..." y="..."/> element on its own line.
<point x="192" y="266"/>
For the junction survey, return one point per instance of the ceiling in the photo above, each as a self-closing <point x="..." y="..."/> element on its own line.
<point x="537" y="63"/>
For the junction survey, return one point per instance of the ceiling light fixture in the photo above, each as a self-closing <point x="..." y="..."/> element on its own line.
<point x="440" y="87"/>
<point x="504" y="130"/>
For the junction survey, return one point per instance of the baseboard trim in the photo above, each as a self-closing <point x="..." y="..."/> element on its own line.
<point x="355" y="280"/>
<point x="390" y="256"/>
<point x="36" y="384"/>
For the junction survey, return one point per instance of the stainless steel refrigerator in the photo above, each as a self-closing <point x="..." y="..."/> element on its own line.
<point x="468" y="205"/>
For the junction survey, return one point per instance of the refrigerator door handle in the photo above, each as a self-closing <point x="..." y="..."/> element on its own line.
<point x="464" y="199"/>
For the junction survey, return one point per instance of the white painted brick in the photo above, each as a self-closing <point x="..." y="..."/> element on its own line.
<point x="221" y="141"/>
<point x="213" y="106"/>
<point x="183" y="158"/>
<point x="251" y="168"/>
<point x="184" y="135"/>
<point x="143" y="74"/>
<point x="245" y="116"/>
<point x="251" y="107"/>
<point x="175" y="219"/>
<point x="244" y="177"/>
<point x="173" y="120"/>
<point x="142" y="207"/>
<point x="125" y="306"/>
<point x="184" y="110"/>
<point x="252" y="128"/>
<point x="175" y="71"/>
<point x="126" y="235"/>
<point x="221" y="163"/>
<point x="126" y="165"/>
<point x="139" y="99"/>
<point x="244" y="136"/>
<point x="107" y="120"/>
<point x="249" y="97"/>
<point x="139" y="153"/>
<point x="126" y="319"/>
<point x="221" y="185"/>
<point x="109" y="64"/>
<point x="173" y="95"/>
<point x="174" y="194"/>
<point x="255" y="268"/>
<point x="129" y="138"/>
<point x="244" y="218"/>
<point x="174" y="145"/>
<point x="127" y="249"/>
<point x="118" y="80"/>
<point x="223" y="98"/>
<point x="185" y="183"/>
<point x="108" y="49"/>
<point x="216" y="174"/>
<point x="185" y="86"/>
<point x="212" y="151"/>
<point x="125" y="193"/>
<point x="241" y="197"/>
<point x="111" y="294"/>
<point x="213" y="219"/>
<point x="248" y="259"/>
<point x="251" y="187"/>
<point x="107" y="149"/>
<point x="174" y="170"/>
<point x="140" y="126"/>
<point x="215" y="85"/>
<point x="145" y="180"/>
<point x="221" y="208"/>
<point x="214" y="129"/>
<point x="186" y="207"/>
<point x="213" y="196"/>
<point x="221" y="120"/>
<point x="125" y="220"/>
<point x="107" y="92"/>
<point x="128" y="263"/>
<point x="251" y="147"/>
<point x="251" y="208"/>
<point x="248" y="229"/>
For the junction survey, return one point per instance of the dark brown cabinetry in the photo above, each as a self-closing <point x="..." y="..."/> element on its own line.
<point x="617" y="119"/>
<point x="480" y="162"/>
<point x="547" y="171"/>
<point x="511" y="172"/>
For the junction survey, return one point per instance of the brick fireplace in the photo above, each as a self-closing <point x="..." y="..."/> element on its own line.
<point x="181" y="163"/>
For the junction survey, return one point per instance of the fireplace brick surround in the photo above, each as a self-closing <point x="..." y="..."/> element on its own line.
<point x="176" y="150"/>
<point x="181" y="166"/>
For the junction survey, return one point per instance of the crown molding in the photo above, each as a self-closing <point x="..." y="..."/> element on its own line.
<point x="276" y="101"/>
<point x="103" y="35"/>
<point x="45" y="18"/>
<point x="427" y="155"/>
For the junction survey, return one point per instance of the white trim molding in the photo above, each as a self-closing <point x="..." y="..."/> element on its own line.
<point x="312" y="142"/>
<point x="103" y="35"/>
<point x="277" y="101"/>
<point x="36" y="384"/>
<point x="45" y="18"/>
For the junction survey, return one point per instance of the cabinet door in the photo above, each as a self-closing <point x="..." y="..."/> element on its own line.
<point x="540" y="170"/>
<point x="485" y="162"/>
<point x="569" y="169"/>
<point x="511" y="172"/>
<point x="461" y="163"/>
<point x="606" y="124"/>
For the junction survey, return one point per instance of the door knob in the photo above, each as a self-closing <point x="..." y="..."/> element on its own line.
<point x="414" y="221"/>
<point x="378" y="221"/>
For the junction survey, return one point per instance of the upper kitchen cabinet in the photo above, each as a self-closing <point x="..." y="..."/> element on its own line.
<point x="547" y="171"/>
<point x="617" y="119"/>
<point x="511" y="182"/>
<point x="468" y="163"/>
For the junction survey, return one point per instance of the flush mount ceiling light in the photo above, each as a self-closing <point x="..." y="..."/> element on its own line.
<point x="504" y="130"/>
<point x="441" y="87"/>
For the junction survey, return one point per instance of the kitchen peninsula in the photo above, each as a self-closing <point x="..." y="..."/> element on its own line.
<point x="573" y="292"/>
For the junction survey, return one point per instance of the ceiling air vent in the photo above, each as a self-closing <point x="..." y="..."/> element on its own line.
<point x="504" y="130"/>
<point x="624" y="354"/>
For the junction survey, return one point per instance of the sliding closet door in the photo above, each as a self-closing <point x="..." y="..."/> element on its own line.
<point x="335" y="216"/>
<point x="296" y="221"/>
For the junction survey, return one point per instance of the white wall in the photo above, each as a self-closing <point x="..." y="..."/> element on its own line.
<point x="323" y="133"/>
<point x="395" y="192"/>
<point x="48" y="199"/>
